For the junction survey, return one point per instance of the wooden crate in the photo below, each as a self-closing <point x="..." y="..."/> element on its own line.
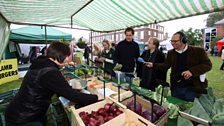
<point x="76" y="119"/>
<point x="121" y="120"/>
<point x="92" y="82"/>
<point x="107" y="85"/>
<point x="146" y="105"/>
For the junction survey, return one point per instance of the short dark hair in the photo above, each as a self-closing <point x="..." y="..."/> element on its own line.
<point x="58" y="51"/>
<point x="129" y="29"/>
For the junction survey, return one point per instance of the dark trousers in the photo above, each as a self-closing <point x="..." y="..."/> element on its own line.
<point x="183" y="93"/>
<point x="87" y="61"/>
<point x="222" y="66"/>
<point x="35" y="123"/>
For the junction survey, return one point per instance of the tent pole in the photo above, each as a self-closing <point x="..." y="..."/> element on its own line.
<point x="20" y="23"/>
<point x="45" y="33"/>
<point x="82" y="8"/>
<point x="71" y="22"/>
<point x="91" y="41"/>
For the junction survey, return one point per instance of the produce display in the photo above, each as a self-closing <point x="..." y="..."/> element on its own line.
<point x="173" y="109"/>
<point x="206" y="107"/>
<point x="93" y="82"/>
<point x="82" y="71"/>
<point x="102" y="115"/>
<point x="158" y="111"/>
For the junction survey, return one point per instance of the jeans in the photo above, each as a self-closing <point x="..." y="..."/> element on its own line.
<point x="35" y="123"/>
<point x="183" y="93"/>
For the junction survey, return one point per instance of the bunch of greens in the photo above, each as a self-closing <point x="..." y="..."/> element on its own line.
<point x="206" y="107"/>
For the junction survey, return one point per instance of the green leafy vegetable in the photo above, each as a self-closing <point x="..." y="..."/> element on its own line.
<point x="206" y="107"/>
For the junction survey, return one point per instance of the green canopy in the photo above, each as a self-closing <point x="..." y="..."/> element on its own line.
<point x="37" y="33"/>
<point x="103" y="15"/>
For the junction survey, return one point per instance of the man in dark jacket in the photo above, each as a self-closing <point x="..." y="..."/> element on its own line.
<point x="42" y="81"/>
<point x="87" y="51"/>
<point x="127" y="52"/>
<point x="188" y="67"/>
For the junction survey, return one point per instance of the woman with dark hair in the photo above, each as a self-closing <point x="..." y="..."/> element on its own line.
<point x="42" y="81"/>
<point x="222" y="57"/>
<point x="149" y="76"/>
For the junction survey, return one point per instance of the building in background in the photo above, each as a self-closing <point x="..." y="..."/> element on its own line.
<point x="211" y="33"/>
<point x="220" y="28"/>
<point x="209" y="36"/>
<point x="142" y="34"/>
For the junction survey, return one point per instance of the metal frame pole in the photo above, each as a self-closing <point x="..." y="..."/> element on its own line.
<point x="45" y="33"/>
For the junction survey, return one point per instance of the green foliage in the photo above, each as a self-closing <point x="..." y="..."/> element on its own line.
<point x="214" y="17"/>
<point x="206" y="107"/>
<point x="81" y="43"/>
<point x="213" y="43"/>
<point x="194" y="36"/>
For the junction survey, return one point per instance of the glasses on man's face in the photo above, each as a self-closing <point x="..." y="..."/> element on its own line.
<point x="174" y="41"/>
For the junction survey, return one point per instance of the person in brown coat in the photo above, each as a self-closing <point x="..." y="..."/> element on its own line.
<point x="188" y="67"/>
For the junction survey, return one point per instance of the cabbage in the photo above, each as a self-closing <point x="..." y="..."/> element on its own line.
<point x="148" y="115"/>
<point x="158" y="110"/>
<point x="130" y="106"/>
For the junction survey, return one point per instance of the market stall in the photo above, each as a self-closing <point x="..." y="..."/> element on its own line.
<point x="100" y="15"/>
<point x="117" y="91"/>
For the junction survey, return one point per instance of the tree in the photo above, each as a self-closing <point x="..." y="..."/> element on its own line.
<point x="214" y="17"/>
<point x="194" y="37"/>
<point x="81" y="43"/>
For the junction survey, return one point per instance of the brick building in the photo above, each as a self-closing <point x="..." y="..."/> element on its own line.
<point x="142" y="33"/>
<point x="220" y="28"/>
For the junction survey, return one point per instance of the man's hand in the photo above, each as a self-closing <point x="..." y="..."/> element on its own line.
<point x="149" y="64"/>
<point x="187" y="74"/>
<point x="101" y="59"/>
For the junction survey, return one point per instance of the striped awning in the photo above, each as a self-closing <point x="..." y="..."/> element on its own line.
<point x="104" y="15"/>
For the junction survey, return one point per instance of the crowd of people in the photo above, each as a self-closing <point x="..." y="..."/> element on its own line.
<point x="187" y="79"/>
<point x="188" y="64"/>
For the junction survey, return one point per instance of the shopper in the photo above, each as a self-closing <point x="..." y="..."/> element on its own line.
<point x="149" y="76"/>
<point x="33" y="53"/>
<point x="127" y="52"/>
<point x="188" y="66"/>
<point x="107" y="58"/>
<point x="97" y="50"/>
<point x="216" y="50"/>
<point x="87" y="51"/>
<point x="222" y="57"/>
<point x="42" y="81"/>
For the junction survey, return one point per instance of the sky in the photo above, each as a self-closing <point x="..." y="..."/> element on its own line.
<point x="196" y="22"/>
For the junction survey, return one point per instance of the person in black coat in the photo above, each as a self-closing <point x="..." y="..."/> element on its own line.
<point x="87" y="51"/>
<point x="149" y="76"/>
<point x="41" y="82"/>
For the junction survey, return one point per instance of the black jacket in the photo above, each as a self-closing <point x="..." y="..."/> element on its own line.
<point x="108" y="67"/>
<point x="126" y="53"/>
<point x="149" y="76"/>
<point x="42" y="80"/>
